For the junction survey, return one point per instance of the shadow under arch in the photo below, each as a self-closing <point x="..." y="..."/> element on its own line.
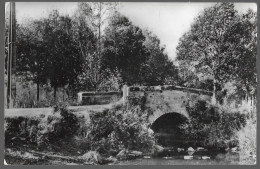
<point x="168" y="131"/>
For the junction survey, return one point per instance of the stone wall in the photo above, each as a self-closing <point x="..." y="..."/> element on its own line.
<point x="167" y="99"/>
<point x="98" y="98"/>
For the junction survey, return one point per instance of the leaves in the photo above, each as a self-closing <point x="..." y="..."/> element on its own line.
<point x="221" y="46"/>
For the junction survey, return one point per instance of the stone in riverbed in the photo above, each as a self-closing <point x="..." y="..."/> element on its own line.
<point x="205" y="157"/>
<point x="188" y="157"/>
<point x="112" y="159"/>
<point x="201" y="149"/>
<point x="190" y="149"/>
<point x="122" y="154"/>
<point x="136" y="153"/>
<point x="158" y="148"/>
<point x="180" y="149"/>
<point x="92" y="157"/>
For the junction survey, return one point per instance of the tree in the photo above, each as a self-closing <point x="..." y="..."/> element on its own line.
<point x="206" y="50"/>
<point x="94" y="15"/>
<point x="64" y="62"/>
<point x="86" y="44"/>
<point x="243" y="41"/>
<point x="124" y="49"/>
<point x="31" y="61"/>
<point x="158" y="68"/>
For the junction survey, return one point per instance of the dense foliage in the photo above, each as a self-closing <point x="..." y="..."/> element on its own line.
<point x="44" y="131"/>
<point x="221" y="47"/>
<point x="121" y="127"/>
<point x="213" y="126"/>
<point x="96" y="48"/>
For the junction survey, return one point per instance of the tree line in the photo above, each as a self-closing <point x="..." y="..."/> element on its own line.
<point x="95" y="48"/>
<point x="98" y="48"/>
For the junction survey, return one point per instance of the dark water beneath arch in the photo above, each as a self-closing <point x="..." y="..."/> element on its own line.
<point x="170" y="136"/>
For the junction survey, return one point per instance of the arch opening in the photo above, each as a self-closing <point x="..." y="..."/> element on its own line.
<point x="168" y="129"/>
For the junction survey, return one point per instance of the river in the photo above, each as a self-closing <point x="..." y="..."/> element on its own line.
<point x="229" y="158"/>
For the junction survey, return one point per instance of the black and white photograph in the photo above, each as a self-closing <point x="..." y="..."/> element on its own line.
<point x="130" y="83"/>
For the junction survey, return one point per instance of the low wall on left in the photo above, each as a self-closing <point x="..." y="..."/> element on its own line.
<point x="98" y="98"/>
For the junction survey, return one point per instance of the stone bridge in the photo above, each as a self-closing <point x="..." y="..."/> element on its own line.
<point x="160" y="100"/>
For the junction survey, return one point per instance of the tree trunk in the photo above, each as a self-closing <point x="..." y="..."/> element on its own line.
<point x="63" y="94"/>
<point x="38" y="91"/>
<point x="213" y="99"/>
<point x="54" y="93"/>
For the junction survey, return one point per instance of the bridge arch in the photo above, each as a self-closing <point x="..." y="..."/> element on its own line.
<point x="167" y="129"/>
<point x="159" y="113"/>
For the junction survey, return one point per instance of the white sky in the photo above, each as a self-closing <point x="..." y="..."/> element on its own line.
<point x="168" y="20"/>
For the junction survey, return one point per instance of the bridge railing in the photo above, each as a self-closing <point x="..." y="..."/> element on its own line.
<point x="129" y="89"/>
<point x="168" y="87"/>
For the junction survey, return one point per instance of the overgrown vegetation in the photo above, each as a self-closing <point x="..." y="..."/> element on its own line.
<point x="214" y="127"/>
<point x="121" y="128"/>
<point x="107" y="132"/>
<point x="44" y="132"/>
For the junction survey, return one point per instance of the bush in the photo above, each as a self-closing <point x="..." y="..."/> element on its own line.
<point x="213" y="126"/>
<point x="21" y="130"/>
<point x="43" y="132"/>
<point x="247" y="136"/>
<point x="62" y="124"/>
<point x="119" y="128"/>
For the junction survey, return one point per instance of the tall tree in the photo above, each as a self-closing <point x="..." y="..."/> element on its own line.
<point x="158" y="68"/>
<point x="205" y="49"/>
<point x="95" y="15"/>
<point x="64" y="62"/>
<point x="86" y="43"/>
<point x="242" y="40"/>
<point x="31" y="61"/>
<point x="124" y="49"/>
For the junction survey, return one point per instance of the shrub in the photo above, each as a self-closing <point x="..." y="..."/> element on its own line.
<point x="43" y="132"/>
<point x="62" y="124"/>
<point x="213" y="126"/>
<point x="247" y="135"/>
<point x="121" y="127"/>
<point x="21" y="130"/>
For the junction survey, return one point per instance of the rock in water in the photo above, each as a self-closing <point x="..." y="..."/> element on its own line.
<point x="205" y="157"/>
<point x="188" y="157"/>
<point x="92" y="157"/>
<point x="201" y="149"/>
<point x="111" y="159"/>
<point x="136" y="153"/>
<point x="180" y="149"/>
<point x="190" y="149"/>
<point x="159" y="148"/>
<point x="122" y="154"/>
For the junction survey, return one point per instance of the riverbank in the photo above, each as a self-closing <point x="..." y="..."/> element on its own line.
<point x="103" y="137"/>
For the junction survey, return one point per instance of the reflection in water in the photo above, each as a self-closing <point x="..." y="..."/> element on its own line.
<point x="229" y="158"/>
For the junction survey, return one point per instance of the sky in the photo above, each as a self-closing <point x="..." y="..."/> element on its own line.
<point x="168" y="20"/>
